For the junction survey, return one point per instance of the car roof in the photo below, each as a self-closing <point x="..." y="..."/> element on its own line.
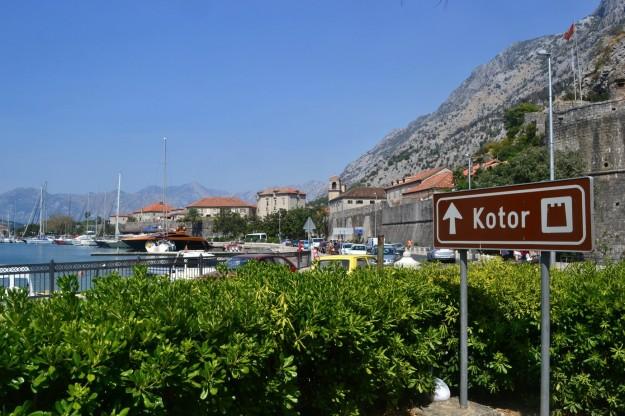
<point x="255" y="256"/>
<point x="346" y="257"/>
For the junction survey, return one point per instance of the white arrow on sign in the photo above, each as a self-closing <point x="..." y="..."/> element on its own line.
<point x="452" y="215"/>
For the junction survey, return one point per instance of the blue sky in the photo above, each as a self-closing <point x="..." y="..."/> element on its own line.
<point x="249" y="94"/>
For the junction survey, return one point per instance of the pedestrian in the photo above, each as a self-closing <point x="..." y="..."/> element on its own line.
<point x="409" y="245"/>
<point x="315" y="253"/>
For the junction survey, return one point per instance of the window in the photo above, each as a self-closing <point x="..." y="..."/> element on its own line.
<point x="343" y="264"/>
<point x="361" y="262"/>
<point x="349" y="201"/>
<point x="372" y="202"/>
<point x="359" y="201"/>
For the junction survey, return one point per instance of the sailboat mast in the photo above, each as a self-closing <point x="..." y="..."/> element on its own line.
<point x="119" y="185"/>
<point x="164" y="184"/>
<point x="41" y="230"/>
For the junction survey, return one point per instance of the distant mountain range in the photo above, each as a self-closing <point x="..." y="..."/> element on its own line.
<point x="21" y="203"/>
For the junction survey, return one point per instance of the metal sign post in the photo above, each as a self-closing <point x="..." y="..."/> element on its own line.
<point x="545" y="331"/>
<point x="464" y="319"/>
<point x="543" y="216"/>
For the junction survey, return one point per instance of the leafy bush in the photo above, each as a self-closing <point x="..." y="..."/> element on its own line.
<point x="271" y="342"/>
<point x="265" y="342"/>
<point x="587" y="328"/>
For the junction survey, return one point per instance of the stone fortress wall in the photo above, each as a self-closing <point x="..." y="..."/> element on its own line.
<point x="597" y="132"/>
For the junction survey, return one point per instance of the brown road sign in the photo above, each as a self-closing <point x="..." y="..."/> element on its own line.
<point x="554" y="215"/>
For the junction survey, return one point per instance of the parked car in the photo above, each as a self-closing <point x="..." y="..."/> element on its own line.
<point x="390" y="255"/>
<point x="316" y="242"/>
<point x="238" y="261"/>
<point x="357" y="249"/>
<point x="400" y="248"/>
<point x="349" y="262"/>
<point x="442" y="254"/>
<point x="344" y="249"/>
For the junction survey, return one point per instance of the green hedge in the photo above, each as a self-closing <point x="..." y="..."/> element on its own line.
<point x="272" y="342"/>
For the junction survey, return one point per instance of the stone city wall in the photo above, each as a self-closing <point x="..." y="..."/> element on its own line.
<point x="597" y="132"/>
<point x="413" y="221"/>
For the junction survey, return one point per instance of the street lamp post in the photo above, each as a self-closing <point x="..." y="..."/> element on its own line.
<point x="543" y="52"/>
<point x="546" y="260"/>
<point x="375" y="220"/>
<point x="470" y="168"/>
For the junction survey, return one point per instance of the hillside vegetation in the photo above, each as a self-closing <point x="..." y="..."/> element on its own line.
<point x="524" y="155"/>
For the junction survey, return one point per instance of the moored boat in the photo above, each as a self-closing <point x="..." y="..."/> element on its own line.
<point x="87" y="239"/>
<point x="110" y="243"/>
<point x="180" y="239"/>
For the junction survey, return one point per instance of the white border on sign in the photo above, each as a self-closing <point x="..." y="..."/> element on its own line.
<point x="521" y="191"/>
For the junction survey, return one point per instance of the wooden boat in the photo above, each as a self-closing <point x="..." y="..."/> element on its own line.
<point x="180" y="239"/>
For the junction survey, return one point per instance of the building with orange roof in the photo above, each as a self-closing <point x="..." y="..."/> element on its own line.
<point x="439" y="182"/>
<point x="489" y="164"/>
<point x="153" y="212"/>
<point x="272" y="200"/>
<point x="395" y="191"/>
<point x="212" y="206"/>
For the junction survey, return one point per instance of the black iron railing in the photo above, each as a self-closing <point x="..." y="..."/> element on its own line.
<point x="41" y="279"/>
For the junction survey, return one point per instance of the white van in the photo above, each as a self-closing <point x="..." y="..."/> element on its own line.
<point x="256" y="238"/>
<point x="371" y="242"/>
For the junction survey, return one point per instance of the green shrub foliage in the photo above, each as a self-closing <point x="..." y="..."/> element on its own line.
<point x="271" y="342"/>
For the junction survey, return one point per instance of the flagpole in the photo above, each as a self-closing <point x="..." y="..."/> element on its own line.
<point x="579" y="70"/>
<point x="573" y="69"/>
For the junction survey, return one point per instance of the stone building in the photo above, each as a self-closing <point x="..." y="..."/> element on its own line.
<point x="212" y="206"/>
<point x="397" y="188"/>
<point x="440" y="182"/>
<point x="152" y="213"/>
<point x="335" y="188"/>
<point x="272" y="200"/>
<point x="356" y="198"/>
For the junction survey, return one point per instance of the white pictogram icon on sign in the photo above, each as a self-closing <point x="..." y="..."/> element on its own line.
<point x="553" y="211"/>
<point x="452" y="214"/>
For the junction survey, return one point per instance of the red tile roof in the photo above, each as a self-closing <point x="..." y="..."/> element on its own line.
<point x="280" y="190"/>
<point x="221" y="202"/>
<point x="417" y="177"/>
<point x="486" y="165"/>
<point x="367" y="193"/>
<point x="442" y="180"/>
<point x="157" y="207"/>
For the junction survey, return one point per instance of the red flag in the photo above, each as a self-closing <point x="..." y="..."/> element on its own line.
<point x="569" y="33"/>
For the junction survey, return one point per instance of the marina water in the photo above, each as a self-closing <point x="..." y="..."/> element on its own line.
<point x="44" y="253"/>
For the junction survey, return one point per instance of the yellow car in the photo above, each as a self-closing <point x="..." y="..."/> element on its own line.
<point x="349" y="262"/>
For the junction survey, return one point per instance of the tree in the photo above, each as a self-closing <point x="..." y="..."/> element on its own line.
<point x="532" y="165"/>
<point x="230" y="224"/>
<point x="61" y="224"/>
<point x="192" y="216"/>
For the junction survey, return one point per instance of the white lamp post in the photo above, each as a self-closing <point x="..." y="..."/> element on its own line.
<point x="543" y="52"/>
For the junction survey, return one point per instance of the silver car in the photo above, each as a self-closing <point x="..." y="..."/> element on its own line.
<point x="442" y="254"/>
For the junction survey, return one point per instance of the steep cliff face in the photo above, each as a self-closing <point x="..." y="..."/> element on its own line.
<point x="472" y="115"/>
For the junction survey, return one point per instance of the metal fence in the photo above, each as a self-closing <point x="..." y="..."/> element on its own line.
<point x="42" y="279"/>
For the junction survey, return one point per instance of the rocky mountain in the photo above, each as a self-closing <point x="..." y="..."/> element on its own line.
<point x="473" y="114"/>
<point x="22" y="203"/>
